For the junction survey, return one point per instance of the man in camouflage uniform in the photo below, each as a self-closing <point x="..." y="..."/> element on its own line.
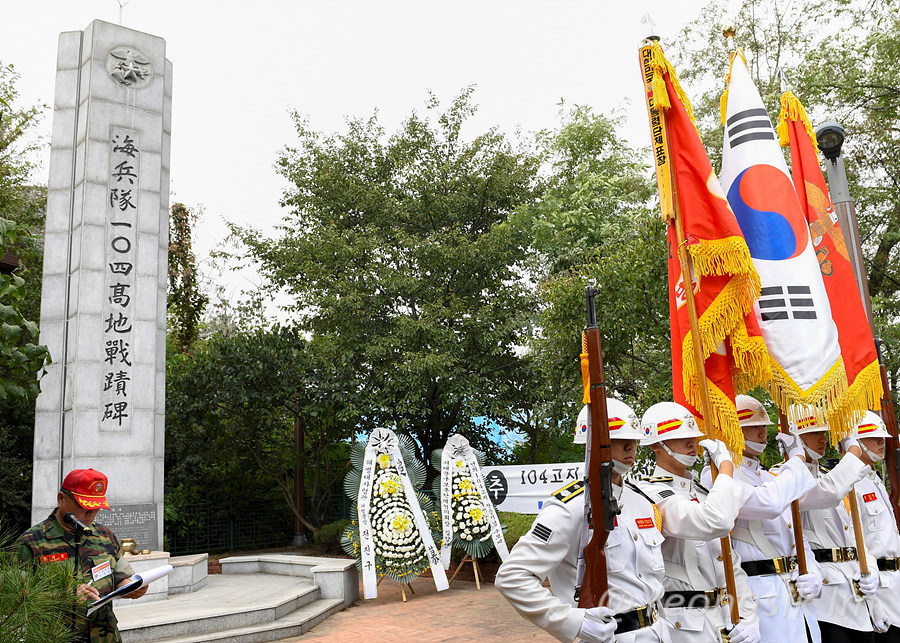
<point x="95" y="553"/>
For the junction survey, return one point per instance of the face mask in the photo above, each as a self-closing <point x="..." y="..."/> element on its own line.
<point x="685" y="460"/>
<point x="620" y="467"/>
<point x="815" y="455"/>
<point x="755" y="447"/>
<point x="874" y="457"/>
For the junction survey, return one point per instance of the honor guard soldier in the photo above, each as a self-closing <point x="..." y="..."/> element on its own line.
<point x="633" y="554"/>
<point x="763" y="538"/>
<point x="879" y="529"/>
<point x="68" y="535"/>
<point x="840" y="610"/>
<point x="694" y="519"/>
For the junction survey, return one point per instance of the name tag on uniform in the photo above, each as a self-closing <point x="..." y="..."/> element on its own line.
<point x="55" y="558"/>
<point x="869" y="497"/>
<point x="101" y="571"/>
<point x="645" y="523"/>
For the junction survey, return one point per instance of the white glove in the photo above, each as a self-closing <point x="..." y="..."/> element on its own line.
<point x="880" y="620"/>
<point x="790" y="445"/>
<point x="717" y="451"/>
<point x="598" y="626"/>
<point x="868" y="584"/>
<point x="745" y="632"/>
<point x="883" y="624"/>
<point x="809" y="586"/>
<point x="846" y="443"/>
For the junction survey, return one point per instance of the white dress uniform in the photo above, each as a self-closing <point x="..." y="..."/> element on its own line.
<point x="882" y="540"/>
<point x="694" y="519"/>
<point x="827" y="526"/>
<point x="762" y="533"/>
<point x="550" y="550"/>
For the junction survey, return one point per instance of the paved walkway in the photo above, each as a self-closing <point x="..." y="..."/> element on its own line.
<point x="461" y="614"/>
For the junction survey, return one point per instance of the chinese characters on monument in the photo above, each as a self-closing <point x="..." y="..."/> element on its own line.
<point x="118" y="310"/>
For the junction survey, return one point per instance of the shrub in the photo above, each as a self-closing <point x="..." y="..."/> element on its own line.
<point x="329" y="537"/>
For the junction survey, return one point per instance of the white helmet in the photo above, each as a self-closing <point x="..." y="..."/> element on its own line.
<point x="581" y="425"/>
<point x="808" y="421"/>
<point x="623" y="422"/>
<point x="751" y="411"/>
<point x="871" y="426"/>
<point x="668" y="421"/>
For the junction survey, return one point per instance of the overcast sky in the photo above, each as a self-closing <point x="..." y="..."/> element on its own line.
<point x="239" y="67"/>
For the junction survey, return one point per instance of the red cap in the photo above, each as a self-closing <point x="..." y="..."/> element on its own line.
<point x="88" y="487"/>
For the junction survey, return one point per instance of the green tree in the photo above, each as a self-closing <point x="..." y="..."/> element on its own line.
<point x="35" y="601"/>
<point x="21" y="358"/>
<point x="185" y="301"/>
<point x="594" y="224"/>
<point x="231" y="408"/>
<point x="400" y="259"/>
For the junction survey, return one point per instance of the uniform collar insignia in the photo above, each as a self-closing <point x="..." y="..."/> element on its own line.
<point x="751" y="463"/>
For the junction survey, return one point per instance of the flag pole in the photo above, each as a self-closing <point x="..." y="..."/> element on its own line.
<point x="671" y="211"/>
<point x="852" y="503"/>
<point x="686" y="270"/>
<point x="846" y="211"/>
<point x="796" y="519"/>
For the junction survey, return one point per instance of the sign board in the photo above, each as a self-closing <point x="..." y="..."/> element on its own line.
<point x="524" y="488"/>
<point x="133" y="521"/>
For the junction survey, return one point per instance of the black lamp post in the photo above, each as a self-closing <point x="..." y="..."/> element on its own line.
<point x="830" y="137"/>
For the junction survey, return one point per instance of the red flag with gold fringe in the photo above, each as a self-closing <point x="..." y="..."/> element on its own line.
<point x="725" y="282"/>
<point x="854" y="334"/>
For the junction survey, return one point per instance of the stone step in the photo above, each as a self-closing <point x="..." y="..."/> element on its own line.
<point x="226" y="603"/>
<point x="294" y="624"/>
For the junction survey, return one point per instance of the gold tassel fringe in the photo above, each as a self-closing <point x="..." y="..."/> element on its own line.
<point x="825" y="395"/>
<point x="751" y="359"/>
<point x="725" y="419"/>
<point x="661" y="68"/>
<point x="585" y="371"/>
<point x="863" y="395"/>
<point x="792" y="109"/>
<point x="723" y="101"/>
<point x="728" y="256"/>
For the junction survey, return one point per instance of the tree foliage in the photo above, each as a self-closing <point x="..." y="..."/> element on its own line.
<point x="185" y="300"/>
<point x="35" y="601"/>
<point x="594" y="224"/>
<point x="400" y="260"/>
<point x="21" y="357"/>
<point x="231" y="408"/>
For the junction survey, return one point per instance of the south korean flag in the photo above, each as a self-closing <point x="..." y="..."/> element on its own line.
<point x="793" y="310"/>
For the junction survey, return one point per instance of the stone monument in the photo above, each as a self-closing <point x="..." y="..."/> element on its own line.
<point x="103" y="305"/>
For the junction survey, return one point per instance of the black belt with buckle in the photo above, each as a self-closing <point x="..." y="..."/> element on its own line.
<point x="888" y="564"/>
<point x="781" y="565"/>
<point x="835" y="554"/>
<point x="694" y="598"/>
<point x="635" y="619"/>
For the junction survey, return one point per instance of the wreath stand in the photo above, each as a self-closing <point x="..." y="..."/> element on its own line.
<point x="403" y="587"/>
<point x="474" y="561"/>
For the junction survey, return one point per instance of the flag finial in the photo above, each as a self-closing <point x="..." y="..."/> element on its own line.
<point x="728" y="31"/>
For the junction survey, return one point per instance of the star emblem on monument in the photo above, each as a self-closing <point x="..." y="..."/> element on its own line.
<point x="129" y="66"/>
